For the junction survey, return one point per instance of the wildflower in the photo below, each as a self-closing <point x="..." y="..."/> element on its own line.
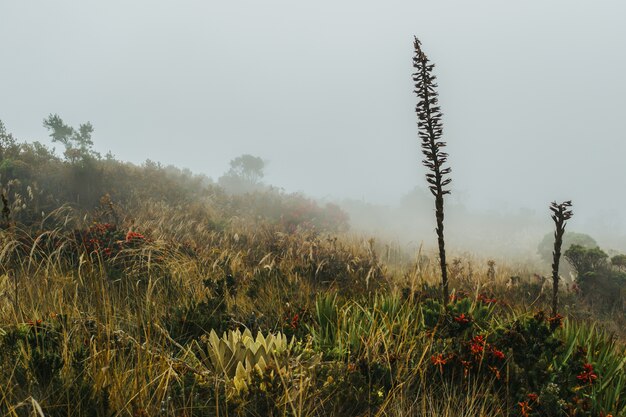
<point x="486" y="300"/>
<point x="478" y="345"/>
<point x="588" y="375"/>
<point x="454" y="298"/>
<point x="532" y="397"/>
<point x="525" y="408"/>
<point x="439" y="360"/>
<point x="556" y="321"/>
<point x="295" y="321"/>
<point x="134" y="235"/>
<point x="497" y="353"/>
<point x="462" y="319"/>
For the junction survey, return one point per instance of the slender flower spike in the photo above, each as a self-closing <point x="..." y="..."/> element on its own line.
<point x="561" y="213"/>
<point x="430" y="130"/>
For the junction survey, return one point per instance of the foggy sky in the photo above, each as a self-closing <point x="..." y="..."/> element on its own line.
<point x="533" y="92"/>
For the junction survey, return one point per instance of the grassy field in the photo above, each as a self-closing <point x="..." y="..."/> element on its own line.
<point x="147" y="291"/>
<point x="161" y="315"/>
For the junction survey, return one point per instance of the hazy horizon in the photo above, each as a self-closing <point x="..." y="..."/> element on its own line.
<point x="532" y="93"/>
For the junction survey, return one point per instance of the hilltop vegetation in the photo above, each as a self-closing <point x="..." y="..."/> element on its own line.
<point x="150" y="291"/>
<point x="36" y="182"/>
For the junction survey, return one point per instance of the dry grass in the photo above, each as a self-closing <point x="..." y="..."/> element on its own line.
<point x="109" y="326"/>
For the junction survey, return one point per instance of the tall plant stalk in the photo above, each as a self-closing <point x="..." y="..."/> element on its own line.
<point x="430" y="130"/>
<point x="561" y="213"/>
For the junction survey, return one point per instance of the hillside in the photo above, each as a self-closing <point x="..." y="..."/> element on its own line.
<point x="149" y="291"/>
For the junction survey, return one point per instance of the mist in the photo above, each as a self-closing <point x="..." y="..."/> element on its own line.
<point x="532" y="95"/>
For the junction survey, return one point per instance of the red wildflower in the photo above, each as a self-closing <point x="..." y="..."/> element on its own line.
<point x="532" y="397"/>
<point x="133" y="235"/>
<point x="588" y="375"/>
<point x="462" y="319"/>
<point x="478" y="345"/>
<point x="295" y="320"/>
<point x="497" y="353"/>
<point x="484" y="299"/>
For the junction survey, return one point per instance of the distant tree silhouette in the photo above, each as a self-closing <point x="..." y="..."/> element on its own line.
<point x="78" y="144"/>
<point x="245" y="174"/>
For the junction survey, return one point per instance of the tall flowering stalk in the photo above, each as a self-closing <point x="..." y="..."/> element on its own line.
<point x="561" y="213"/>
<point x="430" y="130"/>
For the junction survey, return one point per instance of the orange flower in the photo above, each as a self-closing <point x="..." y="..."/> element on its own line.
<point x="478" y="345"/>
<point x="525" y="408"/>
<point x="439" y="360"/>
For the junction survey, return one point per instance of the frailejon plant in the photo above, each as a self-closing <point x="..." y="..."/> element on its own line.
<point x="561" y="213"/>
<point x="235" y="355"/>
<point x="430" y="130"/>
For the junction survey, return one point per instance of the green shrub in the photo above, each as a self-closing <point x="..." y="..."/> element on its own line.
<point x="569" y="238"/>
